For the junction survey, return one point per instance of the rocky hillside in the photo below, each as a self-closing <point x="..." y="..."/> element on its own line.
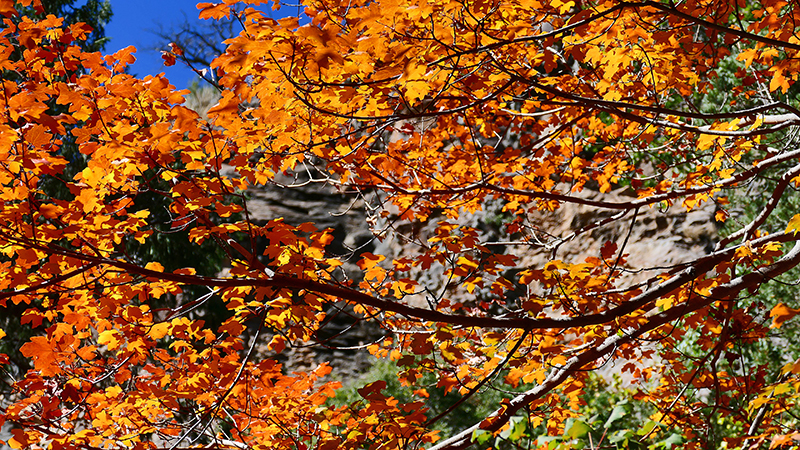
<point x="653" y="238"/>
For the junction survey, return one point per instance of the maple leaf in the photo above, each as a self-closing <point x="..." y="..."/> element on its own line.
<point x="19" y="440"/>
<point x="213" y="10"/>
<point x="609" y="250"/>
<point x="793" y="226"/>
<point x="43" y="353"/>
<point x="781" y="313"/>
<point x="175" y="49"/>
<point x="373" y="390"/>
<point x="168" y="57"/>
<point x="779" y="81"/>
<point x="109" y="338"/>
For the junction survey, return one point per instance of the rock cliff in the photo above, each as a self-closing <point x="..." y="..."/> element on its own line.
<point x="654" y="239"/>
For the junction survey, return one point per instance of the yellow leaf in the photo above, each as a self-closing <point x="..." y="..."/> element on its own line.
<point x="417" y="90"/>
<point x="792" y="367"/>
<point x="705" y="141"/>
<point x="744" y="251"/>
<point x="109" y="339"/>
<point x="758" y="122"/>
<point x="794" y="224"/>
<point x="665" y="302"/>
<point x="758" y="402"/>
<point x="563" y="7"/>
<point x="468" y="262"/>
<point x="284" y="257"/>
<point x="113" y="391"/>
<point x="782" y="388"/>
<point x="154" y="266"/>
<point x="159" y="330"/>
<point x="414" y="71"/>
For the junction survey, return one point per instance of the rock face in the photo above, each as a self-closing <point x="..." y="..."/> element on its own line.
<point x="343" y="335"/>
<point x="652" y="238"/>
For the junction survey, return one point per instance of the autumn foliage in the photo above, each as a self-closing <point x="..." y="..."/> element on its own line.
<point x="427" y="111"/>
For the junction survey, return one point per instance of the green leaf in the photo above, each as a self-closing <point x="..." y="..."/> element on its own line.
<point x="481" y="436"/>
<point x="617" y="413"/>
<point x="517" y="429"/>
<point x="648" y="427"/>
<point x="577" y="429"/>
<point x="621" y="436"/>
<point x="672" y="440"/>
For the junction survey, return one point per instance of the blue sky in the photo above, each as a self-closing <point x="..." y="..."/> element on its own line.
<point x="134" y="22"/>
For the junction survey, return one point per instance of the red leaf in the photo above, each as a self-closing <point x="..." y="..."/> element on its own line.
<point x="609" y="250"/>
<point x="169" y="58"/>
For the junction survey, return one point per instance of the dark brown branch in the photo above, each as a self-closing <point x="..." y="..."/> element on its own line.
<point x="50" y="282"/>
<point x="279" y="281"/>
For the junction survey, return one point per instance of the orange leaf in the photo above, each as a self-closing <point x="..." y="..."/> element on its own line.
<point x="43" y="354"/>
<point x="19" y="439"/>
<point x="779" y="81"/>
<point x="780" y="314"/>
<point x="368" y="260"/>
<point x="214" y="11"/>
<point x="87" y="353"/>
